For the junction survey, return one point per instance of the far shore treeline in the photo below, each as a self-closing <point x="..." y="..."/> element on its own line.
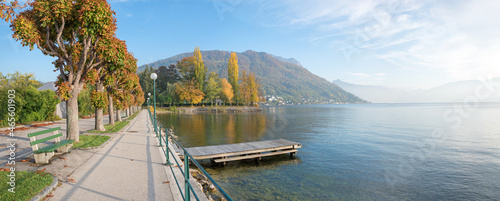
<point x="188" y="83"/>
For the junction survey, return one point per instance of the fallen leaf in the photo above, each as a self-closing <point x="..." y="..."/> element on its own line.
<point x="62" y="158"/>
<point x="49" y="195"/>
<point x="40" y="171"/>
<point x="65" y="165"/>
<point x="131" y="159"/>
<point x="166" y="182"/>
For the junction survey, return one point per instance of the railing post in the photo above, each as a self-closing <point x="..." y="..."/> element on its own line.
<point x="167" y="134"/>
<point x="186" y="176"/>
<point x="160" y="135"/>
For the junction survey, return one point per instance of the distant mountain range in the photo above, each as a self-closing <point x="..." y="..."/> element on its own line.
<point x="278" y="76"/>
<point x="450" y="92"/>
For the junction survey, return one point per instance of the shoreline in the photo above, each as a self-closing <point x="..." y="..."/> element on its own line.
<point x="200" y="110"/>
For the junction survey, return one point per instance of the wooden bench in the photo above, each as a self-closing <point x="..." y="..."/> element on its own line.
<point x="42" y="155"/>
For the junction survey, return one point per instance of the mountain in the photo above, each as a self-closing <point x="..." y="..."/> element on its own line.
<point x="486" y="91"/>
<point x="374" y="94"/>
<point x="277" y="75"/>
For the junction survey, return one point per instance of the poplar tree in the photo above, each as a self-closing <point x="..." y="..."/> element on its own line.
<point x="232" y="73"/>
<point x="200" y="70"/>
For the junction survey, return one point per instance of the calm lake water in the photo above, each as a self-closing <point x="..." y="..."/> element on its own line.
<point x="358" y="152"/>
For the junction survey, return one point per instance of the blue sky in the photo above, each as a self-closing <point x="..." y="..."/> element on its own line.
<point x="413" y="44"/>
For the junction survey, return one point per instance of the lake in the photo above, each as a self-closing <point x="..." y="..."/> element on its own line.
<point x="446" y="151"/>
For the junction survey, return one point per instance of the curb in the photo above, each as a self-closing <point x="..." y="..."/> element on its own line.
<point x="28" y="125"/>
<point x="46" y="190"/>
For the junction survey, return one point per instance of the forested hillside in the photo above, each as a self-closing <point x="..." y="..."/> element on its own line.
<point x="277" y="77"/>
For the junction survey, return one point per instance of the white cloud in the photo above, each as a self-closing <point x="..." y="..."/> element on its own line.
<point x="459" y="38"/>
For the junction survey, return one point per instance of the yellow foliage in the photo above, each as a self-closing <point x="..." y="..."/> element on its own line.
<point x="189" y="92"/>
<point x="232" y="73"/>
<point x="227" y="90"/>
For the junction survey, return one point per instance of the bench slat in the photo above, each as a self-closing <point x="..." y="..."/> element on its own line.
<point x="53" y="147"/>
<point x="43" y="132"/>
<point x="45" y="139"/>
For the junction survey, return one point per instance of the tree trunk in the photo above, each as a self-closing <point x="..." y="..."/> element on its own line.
<point x="99" y="119"/>
<point x="110" y="110"/>
<point x="72" y="127"/>
<point x="118" y="115"/>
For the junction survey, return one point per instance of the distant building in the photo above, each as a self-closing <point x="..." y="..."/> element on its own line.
<point x="61" y="107"/>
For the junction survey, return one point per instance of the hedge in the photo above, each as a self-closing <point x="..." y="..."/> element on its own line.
<point x="31" y="105"/>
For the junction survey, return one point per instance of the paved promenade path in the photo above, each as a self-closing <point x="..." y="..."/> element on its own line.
<point x="129" y="167"/>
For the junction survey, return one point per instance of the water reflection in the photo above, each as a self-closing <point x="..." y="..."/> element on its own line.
<point x="213" y="129"/>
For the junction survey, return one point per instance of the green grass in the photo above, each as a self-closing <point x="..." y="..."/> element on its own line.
<point x="90" y="141"/>
<point x="28" y="184"/>
<point x="112" y="128"/>
<point x="134" y="115"/>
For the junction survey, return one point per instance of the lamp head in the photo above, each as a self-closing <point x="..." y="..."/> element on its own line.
<point x="154" y="76"/>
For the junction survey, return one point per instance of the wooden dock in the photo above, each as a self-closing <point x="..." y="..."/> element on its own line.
<point x="241" y="151"/>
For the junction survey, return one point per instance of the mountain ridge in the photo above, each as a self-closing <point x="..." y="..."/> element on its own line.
<point x="277" y="75"/>
<point x="456" y="91"/>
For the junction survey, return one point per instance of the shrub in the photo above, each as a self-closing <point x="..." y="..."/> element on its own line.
<point x="31" y="105"/>
<point x="172" y="109"/>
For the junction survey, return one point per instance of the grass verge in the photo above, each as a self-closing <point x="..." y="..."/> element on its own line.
<point x="90" y="141"/>
<point x="112" y="128"/>
<point x="134" y="115"/>
<point x="28" y="184"/>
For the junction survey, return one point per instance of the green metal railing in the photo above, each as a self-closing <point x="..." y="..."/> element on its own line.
<point x="188" y="188"/>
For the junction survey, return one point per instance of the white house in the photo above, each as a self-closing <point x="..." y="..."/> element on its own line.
<point x="61" y="107"/>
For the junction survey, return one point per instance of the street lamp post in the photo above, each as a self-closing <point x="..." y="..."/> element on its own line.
<point x="154" y="76"/>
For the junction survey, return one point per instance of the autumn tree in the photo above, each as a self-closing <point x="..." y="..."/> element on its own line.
<point x="189" y="91"/>
<point x="102" y="76"/>
<point x="73" y="32"/>
<point x="232" y="73"/>
<point x="200" y="70"/>
<point x="249" y="88"/>
<point x="254" y="87"/>
<point x="227" y="90"/>
<point x="213" y="88"/>
<point x="8" y="11"/>
<point x="114" y="81"/>
<point x="244" y="88"/>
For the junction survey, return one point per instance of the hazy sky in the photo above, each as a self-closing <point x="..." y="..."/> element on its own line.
<point x="392" y="43"/>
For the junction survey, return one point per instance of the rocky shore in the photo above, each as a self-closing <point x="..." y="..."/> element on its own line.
<point x="208" y="188"/>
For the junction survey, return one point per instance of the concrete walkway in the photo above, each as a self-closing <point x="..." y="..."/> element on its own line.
<point x="129" y="167"/>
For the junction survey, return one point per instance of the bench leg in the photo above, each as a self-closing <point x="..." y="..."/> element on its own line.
<point x="64" y="149"/>
<point x="43" y="158"/>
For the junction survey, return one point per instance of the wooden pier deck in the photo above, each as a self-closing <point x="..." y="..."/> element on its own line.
<point x="240" y="151"/>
